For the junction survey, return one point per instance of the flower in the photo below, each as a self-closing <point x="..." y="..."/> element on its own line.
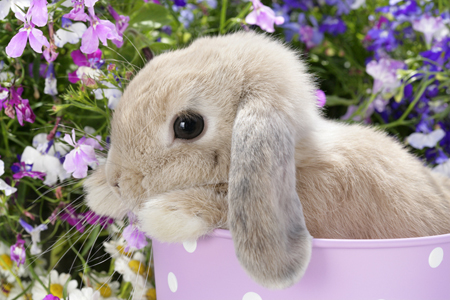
<point x="50" y="81"/>
<point x="102" y="30"/>
<point x="147" y="292"/>
<point x="38" y="12"/>
<point x="81" y="156"/>
<point x="420" y="140"/>
<point x="121" y="24"/>
<point x="3" y="185"/>
<point x="55" y="283"/>
<point x="77" y="13"/>
<point x="50" y="297"/>
<point x="134" y="237"/>
<point x="73" y="218"/>
<point x="132" y="269"/>
<point x="44" y="160"/>
<point x="263" y="16"/>
<point x="112" y="93"/>
<point x="431" y="27"/>
<point x="21" y="170"/>
<point x="116" y="248"/>
<point x="15" y="5"/>
<point x="24" y="112"/>
<point x="333" y="25"/>
<point x="321" y="98"/>
<point x="385" y="82"/>
<point x="443" y="168"/>
<point x="69" y="33"/>
<point x="7" y="265"/>
<point x="106" y="288"/>
<point x="19" y="41"/>
<point x="88" y="65"/>
<point x="85" y="294"/>
<point x="17" y="251"/>
<point x="92" y="218"/>
<point x="35" y="235"/>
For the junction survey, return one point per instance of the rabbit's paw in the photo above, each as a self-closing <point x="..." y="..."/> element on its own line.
<point x="165" y="219"/>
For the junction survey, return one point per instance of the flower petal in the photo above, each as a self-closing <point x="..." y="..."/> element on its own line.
<point x="79" y="58"/>
<point x="37" y="40"/>
<point x="17" y="44"/>
<point x="89" y="41"/>
<point x="5" y="5"/>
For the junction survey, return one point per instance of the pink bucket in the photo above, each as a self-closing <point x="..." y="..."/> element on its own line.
<point x="413" y="268"/>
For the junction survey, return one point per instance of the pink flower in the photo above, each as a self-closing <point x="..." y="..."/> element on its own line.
<point x="19" y="41"/>
<point x="134" y="237"/>
<point x="38" y="12"/>
<point x="83" y="154"/>
<point x="24" y="112"/>
<point x="73" y="218"/>
<point x="77" y="13"/>
<point x="121" y="24"/>
<point x="321" y="98"/>
<point x="263" y="16"/>
<point x="88" y="65"/>
<point x="431" y="27"/>
<point x="102" y="30"/>
<point x="17" y="251"/>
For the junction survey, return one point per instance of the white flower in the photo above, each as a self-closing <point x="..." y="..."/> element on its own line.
<point x="431" y="27"/>
<point x="55" y="284"/>
<point x="35" y="233"/>
<point x="132" y="269"/>
<point x="50" y="86"/>
<point x="112" y="93"/>
<point x="6" y="265"/>
<point x="421" y="140"/>
<point x="3" y="185"/>
<point x="16" y="290"/>
<point x="14" y="5"/>
<point x="71" y="33"/>
<point x="146" y="293"/>
<point x="443" y="168"/>
<point x="43" y="159"/>
<point x="116" y="248"/>
<point x="108" y="290"/>
<point x="86" y="293"/>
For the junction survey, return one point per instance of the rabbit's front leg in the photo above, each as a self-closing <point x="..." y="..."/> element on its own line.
<point x="184" y="215"/>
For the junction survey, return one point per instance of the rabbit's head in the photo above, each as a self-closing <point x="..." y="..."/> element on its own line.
<point x="225" y="110"/>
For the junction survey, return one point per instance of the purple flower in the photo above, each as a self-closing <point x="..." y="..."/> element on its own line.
<point x="50" y="297"/>
<point x="24" y="112"/>
<point x="263" y="16"/>
<point x="21" y="170"/>
<point x="121" y="24"/>
<point x="19" y="41"/>
<point x="89" y="65"/>
<point x="17" y="251"/>
<point x="311" y="36"/>
<point x="102" y="30"/>
<point x="35" y="235"/>
<point x="333" y="25"/>
<point x="92" y="218"/>
<point x="321" y="98"/>
<point x="179" y="2"/>
<point x="77" y="13"/>
<point x="73" y="218"/>
<point x="80" y="157"/>
<point x="50" y="81"/>
<point x="38" y="12"/>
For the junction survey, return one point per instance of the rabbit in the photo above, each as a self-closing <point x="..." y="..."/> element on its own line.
<point x="226" y="133"/>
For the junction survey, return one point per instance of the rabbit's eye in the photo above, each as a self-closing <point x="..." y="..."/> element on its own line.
<point x="188" y="127"/>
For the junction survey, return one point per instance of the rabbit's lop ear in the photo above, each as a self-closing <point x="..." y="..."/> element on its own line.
<point x="266" y="218"/>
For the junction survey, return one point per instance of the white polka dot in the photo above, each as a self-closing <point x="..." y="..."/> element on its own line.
<point x="173" y="284"/>
<point x="436" y="257"/>
<point x="190" y="246"/>
<point x="251" y="296"/>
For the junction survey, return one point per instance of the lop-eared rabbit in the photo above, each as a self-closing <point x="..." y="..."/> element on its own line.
<point x="226" y="133"/>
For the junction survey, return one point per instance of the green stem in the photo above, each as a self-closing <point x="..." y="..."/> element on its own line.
<point x="223" y="16"/>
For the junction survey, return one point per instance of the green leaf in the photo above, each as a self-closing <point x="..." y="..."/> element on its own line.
<point x="159" y="47"/>
<point x="151" y="13"/>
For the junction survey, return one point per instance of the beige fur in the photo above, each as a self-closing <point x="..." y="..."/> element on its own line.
<point x="353" y="181"/>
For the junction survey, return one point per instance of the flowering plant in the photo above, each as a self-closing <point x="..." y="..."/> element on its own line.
<point x="64" y="65"/>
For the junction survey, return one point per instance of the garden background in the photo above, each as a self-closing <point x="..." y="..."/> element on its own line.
<point x="63" y="68"/>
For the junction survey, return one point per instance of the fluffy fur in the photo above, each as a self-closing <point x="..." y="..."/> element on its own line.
<point x="265" y="151"/>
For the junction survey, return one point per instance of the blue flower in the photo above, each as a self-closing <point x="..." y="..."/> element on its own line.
<point x="333" y="25"/>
